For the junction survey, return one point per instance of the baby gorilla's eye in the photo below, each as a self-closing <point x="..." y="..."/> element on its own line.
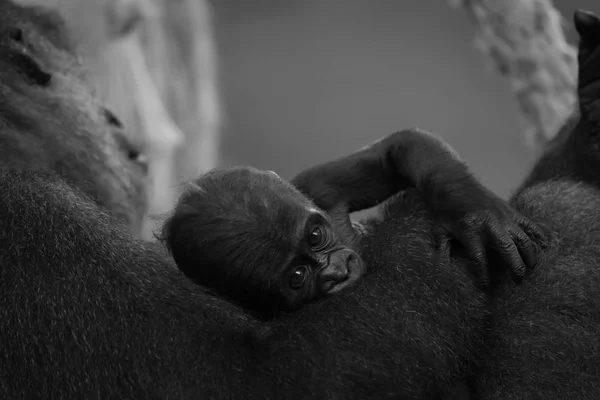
<point x="299" y="277"/>
<point x="317" y="237"/>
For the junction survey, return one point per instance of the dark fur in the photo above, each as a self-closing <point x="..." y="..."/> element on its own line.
<point x="89" y="312"/>
<point x="545" y="342"/>
<point x="110" y="317"/>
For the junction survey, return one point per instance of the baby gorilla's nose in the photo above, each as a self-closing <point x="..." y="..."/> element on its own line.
<point x="337" y="270"/>
<point x="336" y="273"/>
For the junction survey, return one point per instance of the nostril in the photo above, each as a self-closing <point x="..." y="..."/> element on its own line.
<point x="16" y="35"/>
<point x="139" y="158"/>
<point x="344" y="272"/>
<point x="352" y="256"/>
<point x="330" y="281"/>
<point x="134" y="155"/>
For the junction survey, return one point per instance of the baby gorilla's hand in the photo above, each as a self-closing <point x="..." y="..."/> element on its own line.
<point x="485" y="222"/>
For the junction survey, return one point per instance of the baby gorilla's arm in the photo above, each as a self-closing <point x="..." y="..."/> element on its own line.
<point x="417" y="159"/>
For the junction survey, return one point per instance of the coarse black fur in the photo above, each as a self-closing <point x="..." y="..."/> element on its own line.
<point x="545" y="340"/>
<point x="87" y="311"/>
<point x="111" y="318"/>
<point x="573" y="153"/>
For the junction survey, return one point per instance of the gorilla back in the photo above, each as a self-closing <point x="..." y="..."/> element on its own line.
<point x="108" y="317"/>
<point x="545" y="341"/>
<point x="87" y="311"/>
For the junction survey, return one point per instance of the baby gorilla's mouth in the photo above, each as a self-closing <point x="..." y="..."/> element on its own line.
<point x="330" y="286"/>
<point x="345" y="268"/>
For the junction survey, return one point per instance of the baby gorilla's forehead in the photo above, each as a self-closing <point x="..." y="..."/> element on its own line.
<point x="278" y="195"/>
<point x="277" y="237"/>
<point x="256" y="205"/>
<point x="282" y="218"/>
<point x="281" y="212"/>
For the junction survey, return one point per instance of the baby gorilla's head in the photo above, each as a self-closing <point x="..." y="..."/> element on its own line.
<point x="253" y="238"/>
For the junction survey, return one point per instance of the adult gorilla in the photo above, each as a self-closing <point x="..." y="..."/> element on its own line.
<point x="51" y="122"/>
<point x="545" y="339"/>
<point x="89" y="312"/>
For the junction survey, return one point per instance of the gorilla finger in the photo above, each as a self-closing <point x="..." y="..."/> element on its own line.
<point x="505" y="245"/>
<point x="477" y="253"/>
<point x="535" y="231"/>
<point x="525" y="247"/>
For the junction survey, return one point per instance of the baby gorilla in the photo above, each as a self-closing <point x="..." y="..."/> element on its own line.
<point x="272" y="246"/>
<point x="254" y="238"/>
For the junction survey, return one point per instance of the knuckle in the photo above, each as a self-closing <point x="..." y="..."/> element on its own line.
<point x="479" y="256"/>
<point x="520" y="236"/>
<point x="523" y="240"/>
<point x="506" y="244"/>
<point x="519" y="269"/>
<point x="474" y="219"/>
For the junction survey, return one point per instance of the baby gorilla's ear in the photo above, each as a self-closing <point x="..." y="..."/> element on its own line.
<point x="587" y="25"/>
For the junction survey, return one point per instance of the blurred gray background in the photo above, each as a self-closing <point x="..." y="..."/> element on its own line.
<point x="305" y="81"/>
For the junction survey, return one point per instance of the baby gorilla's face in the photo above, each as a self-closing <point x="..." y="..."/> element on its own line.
<point x="319" y="265"/>
<point x="255" y="239"/>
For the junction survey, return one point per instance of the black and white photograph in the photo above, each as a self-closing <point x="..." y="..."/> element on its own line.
<point x="300" y="199"/>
